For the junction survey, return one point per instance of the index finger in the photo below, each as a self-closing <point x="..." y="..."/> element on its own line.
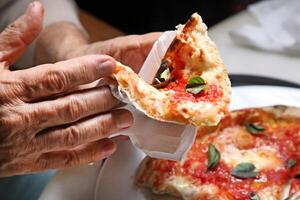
<point x="51" y="79"/>
<point x="18" y="35"/>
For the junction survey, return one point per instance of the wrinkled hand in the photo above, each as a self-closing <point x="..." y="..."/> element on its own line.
<point x="130" y="50"/>
<point x="42" y="124"/>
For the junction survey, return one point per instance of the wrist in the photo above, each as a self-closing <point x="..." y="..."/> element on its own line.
<point x="59" y="41"/>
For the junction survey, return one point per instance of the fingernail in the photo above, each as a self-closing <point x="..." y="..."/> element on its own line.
<point x="120" y="138"/>
<point x="107" y="154"/>
<point x="108" y="145"/>
<point x="109" y="148"/>
<point x="124" y="119"/>
<point x="107" y="67"/>
<point x="30" y="6"/>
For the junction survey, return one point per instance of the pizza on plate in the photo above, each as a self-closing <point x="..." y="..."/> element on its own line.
<point x="192" y="84"/>
<point x="251" y="155"/>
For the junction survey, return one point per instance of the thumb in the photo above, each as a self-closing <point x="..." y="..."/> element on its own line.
<point x="18" y="35"/>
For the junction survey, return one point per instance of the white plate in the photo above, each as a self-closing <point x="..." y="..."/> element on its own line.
<point x="115" y="180"/>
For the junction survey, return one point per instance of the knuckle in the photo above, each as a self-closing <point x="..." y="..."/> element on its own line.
<point x="74" y="108"/>
<point x="13" y="31"/>
<point x="72" y="137"/>
<point x="42" y="162"/>
<point x="10" y="89"/>
<point x="108" y="101"/>
<point x="71" y="158"/>
<point x="7" y="129"/>
<point x="83" y="71"/>
<point x="27" y="148"/>
<point x="104" y="126"/>
<point x="27" y="119"/>
<point x="40" y="115"/>
<point x="56" y="81"/>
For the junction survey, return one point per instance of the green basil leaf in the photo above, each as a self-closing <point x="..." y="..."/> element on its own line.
<point x="244" y="170"/>
<point x="213" y="157"/>
<point x="195" y="81"/>
<point x="195" y="85"/>
<point x="254" y="196"/>
<point x="165" y="75"/>
<point x="254" y="129"/>
<point x="245" y="167"/>
<point x="291" y="163"/>
<point x="244" y="175"/>
<point x="196" y="90"/>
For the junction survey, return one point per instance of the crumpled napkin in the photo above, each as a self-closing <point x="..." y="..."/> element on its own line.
<point x="278" y="30"/>
<point x="155" y="138"/>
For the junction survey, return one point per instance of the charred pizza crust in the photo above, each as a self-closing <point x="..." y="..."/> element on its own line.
<point x="191" y="54"/>
<point x="270" y="149"/>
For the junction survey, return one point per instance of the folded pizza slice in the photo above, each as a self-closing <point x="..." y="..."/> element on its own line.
<point x="249" y="157"/>
<point x="191" y="86"/>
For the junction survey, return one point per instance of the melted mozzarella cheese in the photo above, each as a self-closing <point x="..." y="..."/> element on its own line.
<point x="263" y="157"/>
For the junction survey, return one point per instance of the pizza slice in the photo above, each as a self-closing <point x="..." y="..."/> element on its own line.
<point x="191" y="86"/>
<point x="250" y="156"/>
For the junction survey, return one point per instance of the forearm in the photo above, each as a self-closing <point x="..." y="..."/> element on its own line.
<point x="57" y="41"/>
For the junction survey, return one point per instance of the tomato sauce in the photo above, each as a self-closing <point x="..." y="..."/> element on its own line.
<point x="221" y="175"/>
<point x="277" y="176"/>
<point x="283" y="136"/>
<point x="212" y="94"/>
<point x="179" y="81"/>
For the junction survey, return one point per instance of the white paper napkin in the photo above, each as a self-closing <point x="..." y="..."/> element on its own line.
<point x="155" y="138"/>
<point x="278" y="30"/>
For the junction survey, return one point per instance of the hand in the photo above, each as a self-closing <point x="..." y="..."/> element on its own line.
<point x="130" y="50"/>
<point x="43" y="125"/>
<point x="53" y="45"/>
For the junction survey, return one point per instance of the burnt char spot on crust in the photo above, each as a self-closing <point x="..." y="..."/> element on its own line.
<point x="281" y="108"/>
<point x="165" y="63"/>
<point x="180" y="39"/>
<point x="177" y="43"/>
<point x="124" y="83"/>
<point x="190" y="24"/>
<point x="171" y="53"/>
<point x="184" y="110"/>
<point x="144" y="171"/>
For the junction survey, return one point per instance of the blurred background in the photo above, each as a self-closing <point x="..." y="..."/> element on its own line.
<point x="243" y="30"/>
<point x="135" y="16"/>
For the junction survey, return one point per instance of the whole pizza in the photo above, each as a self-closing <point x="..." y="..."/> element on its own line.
<point x="253" y="154"/>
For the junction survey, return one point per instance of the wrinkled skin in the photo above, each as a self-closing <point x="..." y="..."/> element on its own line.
<point x="45" y="122"/>
<point x="130" y="50"/>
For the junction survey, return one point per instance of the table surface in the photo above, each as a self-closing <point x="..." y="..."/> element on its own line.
<point x="244" y="60"/>
<point x="78" y="183"/>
